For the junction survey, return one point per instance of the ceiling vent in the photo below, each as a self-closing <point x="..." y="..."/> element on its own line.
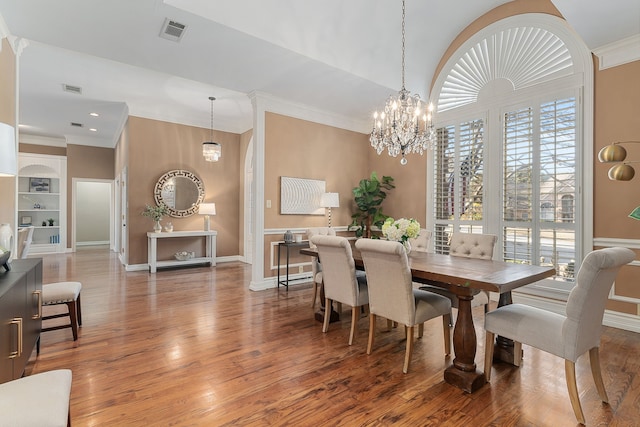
<point x="172" y="30"/>
<point x="77" y="125"/>
<point x="72" y="89"/>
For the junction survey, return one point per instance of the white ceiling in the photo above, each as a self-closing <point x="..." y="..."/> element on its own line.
<point x="341" y="56"/>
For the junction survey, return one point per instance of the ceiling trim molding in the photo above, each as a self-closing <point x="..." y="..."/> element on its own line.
<point x="618" y="53"/>
<point x="42" y="140"/>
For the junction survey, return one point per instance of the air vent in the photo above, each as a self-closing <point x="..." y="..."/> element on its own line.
<point x="77" y="125"/>
<point x="72" y="89"/>
<point x="172" y="30"/>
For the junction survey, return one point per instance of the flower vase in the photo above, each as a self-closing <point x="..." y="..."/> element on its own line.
<point x="407" y="246"/>
<point x="157" y="227"/>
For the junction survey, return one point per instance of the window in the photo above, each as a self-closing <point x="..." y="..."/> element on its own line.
<point x="511" y="140"/>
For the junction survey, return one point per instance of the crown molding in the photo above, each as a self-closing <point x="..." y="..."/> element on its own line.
<point x="619" y="52"/>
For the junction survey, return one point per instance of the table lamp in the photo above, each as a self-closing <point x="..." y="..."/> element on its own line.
<point x="207" y="209"/>
<point x="330" y="200"/>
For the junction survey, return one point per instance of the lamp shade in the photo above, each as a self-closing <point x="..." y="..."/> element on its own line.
<point x="207" y="209"/>
<point x="211" y="151"/>
<point x="8" y="158"/>
<point x="330" y="200"/>
<point x="612" y="153"/>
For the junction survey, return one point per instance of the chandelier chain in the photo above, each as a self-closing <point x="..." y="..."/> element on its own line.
<point x="403" y="14"/>
<point x="211" y="98"/>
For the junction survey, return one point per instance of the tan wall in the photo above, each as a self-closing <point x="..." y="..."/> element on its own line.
<point x="42" y="149"/>
<point x="617" y="105"/>
<point x="86" y="162"/>
<point x="156" y="147"/>
<point x="303" y="149"/>
<point x="8" y="116"/>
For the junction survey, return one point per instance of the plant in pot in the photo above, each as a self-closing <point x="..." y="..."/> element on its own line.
<point x="156" y="213"/>
<point x="369" y="195"/>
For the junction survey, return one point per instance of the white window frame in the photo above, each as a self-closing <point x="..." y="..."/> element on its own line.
<point x="578" y="84"/>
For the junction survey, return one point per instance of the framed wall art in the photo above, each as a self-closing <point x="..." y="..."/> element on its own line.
<point x="299" y="196"/>
<point x="39" y="185"/>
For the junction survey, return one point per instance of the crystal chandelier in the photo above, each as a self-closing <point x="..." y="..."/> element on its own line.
<point x="211" y="151"/>
<point x="403" y="126"/>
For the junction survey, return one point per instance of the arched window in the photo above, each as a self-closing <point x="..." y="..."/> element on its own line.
<point x="511" y="137"/>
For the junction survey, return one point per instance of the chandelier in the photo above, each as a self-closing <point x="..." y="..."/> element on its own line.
<point x="403" y="126"/>
<point x="211" y="151"/>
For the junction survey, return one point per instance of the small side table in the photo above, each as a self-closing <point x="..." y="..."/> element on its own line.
<point x="302" y="244"/>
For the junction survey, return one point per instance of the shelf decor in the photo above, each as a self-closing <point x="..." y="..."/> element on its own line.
<point x="39" y="185"/>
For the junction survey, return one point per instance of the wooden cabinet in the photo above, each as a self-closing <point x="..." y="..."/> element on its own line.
<point x="20" y="316"/>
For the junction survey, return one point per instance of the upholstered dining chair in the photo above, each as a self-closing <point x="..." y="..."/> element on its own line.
<point x="341" y="283"/>
<point x="421" y="243"/>
<point x="316" y="267"/>
<point x="469" y="245"/>
<point x="569" y="335"/>
<point x="392" y="296"/>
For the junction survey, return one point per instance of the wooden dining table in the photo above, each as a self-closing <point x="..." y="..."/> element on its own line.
<point x="466" y="277"/>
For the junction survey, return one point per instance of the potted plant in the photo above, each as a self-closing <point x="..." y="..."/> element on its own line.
<point x="156" y="213"/>
<point x="50" y="220"/>
<point x="369" y="195"/>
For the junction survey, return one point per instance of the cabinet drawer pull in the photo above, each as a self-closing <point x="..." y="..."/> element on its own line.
<point x="38" y="294"/>
<point x="18" y="322"/>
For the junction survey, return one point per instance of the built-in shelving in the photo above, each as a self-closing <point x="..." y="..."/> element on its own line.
<point x="42" y="201"/>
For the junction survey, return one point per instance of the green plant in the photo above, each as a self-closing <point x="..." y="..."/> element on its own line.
<point x="369" y="195"/>
<point x="51" y="220"/>
<point x="156" y="212"/>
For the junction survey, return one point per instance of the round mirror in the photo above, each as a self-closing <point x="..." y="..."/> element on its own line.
<point x="181" y="191"/>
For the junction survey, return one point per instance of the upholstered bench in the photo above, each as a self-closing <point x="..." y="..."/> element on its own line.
<point x="63" y="293"/>
<point x="37" y="400"/>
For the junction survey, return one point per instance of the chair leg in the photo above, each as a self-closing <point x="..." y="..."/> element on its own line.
<point x="354" y="322"/>
<point x="517" y="353"/>
<point x="327" y="314"/>
<point x="570" y="374"/>
<point x="79" y="310"/>
<point x="446" y="321"/>
<point x="594" y="360"/>
<point x="420" y="330"/>
<point x="372" y="331"/>
<point x="409" y="350"/>
<point x="73" y="319"/>
<point x="488" y="354"/>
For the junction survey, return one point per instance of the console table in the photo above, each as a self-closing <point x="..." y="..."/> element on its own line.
<point x="152" y="249"/>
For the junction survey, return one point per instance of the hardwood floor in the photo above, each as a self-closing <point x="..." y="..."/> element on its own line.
<point x="194" y="347"/>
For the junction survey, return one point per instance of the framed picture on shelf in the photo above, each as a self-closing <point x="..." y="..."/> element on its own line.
<point x="39" y="185"/>
<point x="25" y="220"/>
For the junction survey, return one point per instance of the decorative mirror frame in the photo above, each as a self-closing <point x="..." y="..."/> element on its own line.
<point x="179" y="213"/>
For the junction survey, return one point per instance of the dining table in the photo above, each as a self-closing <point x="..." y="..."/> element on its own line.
<point x="466" y="277"/>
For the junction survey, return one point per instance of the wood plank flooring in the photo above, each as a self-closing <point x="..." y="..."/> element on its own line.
<point x="195" y="347"/>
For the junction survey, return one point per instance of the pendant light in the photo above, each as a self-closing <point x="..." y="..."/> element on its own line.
<point x="212" y="151"/>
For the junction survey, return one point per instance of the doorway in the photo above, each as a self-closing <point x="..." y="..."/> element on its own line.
<point x="93" y="213"/>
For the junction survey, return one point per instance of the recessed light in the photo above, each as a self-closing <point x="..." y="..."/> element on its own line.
<point x="93" y="129"/>
<point x="94" y="114"/>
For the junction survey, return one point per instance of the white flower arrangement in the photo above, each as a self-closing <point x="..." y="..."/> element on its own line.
<point x="400" y="230"/>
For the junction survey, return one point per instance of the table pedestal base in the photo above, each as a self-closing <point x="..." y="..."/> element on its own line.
<point x="467" y="381"/>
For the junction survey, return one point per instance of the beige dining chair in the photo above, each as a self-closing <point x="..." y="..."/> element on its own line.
<point x="421" y="243"/>
<point x="316" y="267"/>
<point x="392" y="296"/>
<point x="468" y="245"/>
<point x="569" y="335"/>
<point x="341" y="283"/>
